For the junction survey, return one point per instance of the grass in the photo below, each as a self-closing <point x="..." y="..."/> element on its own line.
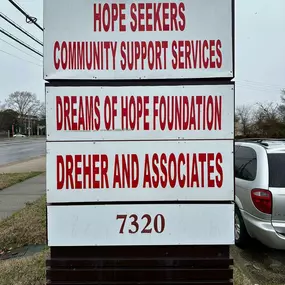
<point x="25" y="271"/>
<point x="26" y="227"/>
<point x="9" y="179"/>
<point x="239" y="277"/>
<point x="31" y="270"/>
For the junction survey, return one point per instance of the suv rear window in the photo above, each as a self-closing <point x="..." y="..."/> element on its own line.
<point x="245" y="163"/>
<point x="276" y="164"/>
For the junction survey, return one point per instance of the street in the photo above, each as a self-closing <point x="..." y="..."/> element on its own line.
<point x="20" y="149"/>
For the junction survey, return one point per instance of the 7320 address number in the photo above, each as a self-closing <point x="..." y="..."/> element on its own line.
<point x="145" y="224"/>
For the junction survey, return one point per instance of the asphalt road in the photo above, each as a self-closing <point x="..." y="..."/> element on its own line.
<point x="20" y="149"/>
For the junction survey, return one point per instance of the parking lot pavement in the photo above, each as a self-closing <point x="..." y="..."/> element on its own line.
<point x="261" y="264"/>
<point x="20" y="149"/>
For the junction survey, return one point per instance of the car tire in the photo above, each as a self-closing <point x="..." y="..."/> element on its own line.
<point x="242" y="237"/>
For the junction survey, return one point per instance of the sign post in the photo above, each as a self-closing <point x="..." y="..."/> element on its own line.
<point x="140" y="137"/>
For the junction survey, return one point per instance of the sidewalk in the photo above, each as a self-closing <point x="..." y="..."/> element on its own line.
<point x="35" y="164"/>
<point x="14" y="198"/>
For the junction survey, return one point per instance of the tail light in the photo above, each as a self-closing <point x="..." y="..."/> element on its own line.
<point x="262" y="200"/>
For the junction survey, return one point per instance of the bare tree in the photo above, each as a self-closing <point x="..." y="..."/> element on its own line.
<point x="282" y="106"/>
<point x="268" y="121"/>
<point x="24" y="103"/>
<point x="244" y="117"/>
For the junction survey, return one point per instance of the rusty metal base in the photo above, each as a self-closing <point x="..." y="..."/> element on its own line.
<point x="193" y="265"/>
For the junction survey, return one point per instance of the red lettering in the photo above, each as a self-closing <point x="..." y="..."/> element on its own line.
<point x="172" y="167"/>
<point x="187" y="112"/>
<point x="107" y="113"/>
<point x="155" y="177"/>
<point x="66" y="113"/>
<point x="95" y="171"/>
<point x="78" y="171"/>
<point x="212" y="54"/>
<point x="64" y="55"/>
<point x="59" y="114"/>
<point x="205" y="58"/>
<point x="59" y="172"/>
<point x="117" y="173"/>
<point x="56" y="61"/>
<point x="85" y="55"/>
<point x="134" y="23"/>
<point x="219" y="60"/>
<point x="138" y="54"/>
<point x="73" y="112"/>
<point x="134" y="112"/>
<point x="181" y="178"/>
<point x="104" y="171"/>
<point x="157" y="17"/>
<point x="164" y="173"/>
<point x="220" y="176"/>
<point x="68" y="172"/>
<point x="196" y="54"/>
<point x="194" y="170"/>
<point x="182" y="22"/>
<point x="202" y="159"/>
<point x="211" y="181"/>
<point x="122" y="11"/>
<point x="147" y="176"/>
<point x="81" y="172"/>
<point x="87" y="172"/>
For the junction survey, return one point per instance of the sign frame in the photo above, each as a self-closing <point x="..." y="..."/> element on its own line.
<point x="224" y="93"/>
<point x="168" y="224"/>
<point x="112" y="183"/>
<point x="75" y="74"/>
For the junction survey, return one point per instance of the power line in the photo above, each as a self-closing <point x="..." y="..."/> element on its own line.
<point x="259" y="83"/>
<point x="32" y="20"/>
<point x="20" y="58"/>
<point x="20" y="42"/>
<point x="18" y="49"/>
<point x="3" y="16"/>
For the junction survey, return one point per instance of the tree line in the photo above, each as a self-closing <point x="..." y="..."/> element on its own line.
<point x="22" y="113"/>
<point x="262" y="120"/>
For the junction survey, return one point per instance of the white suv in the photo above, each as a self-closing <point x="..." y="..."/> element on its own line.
<point x="260" y="192"/>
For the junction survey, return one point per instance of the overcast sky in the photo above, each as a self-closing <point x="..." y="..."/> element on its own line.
<point x="260" y="51"/>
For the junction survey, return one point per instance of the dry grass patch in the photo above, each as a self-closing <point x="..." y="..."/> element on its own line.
<point x="24" y="271"/>
<point x="9" y="179"/>
<point x="240" y="278"/>
<point x="28" y="226"/>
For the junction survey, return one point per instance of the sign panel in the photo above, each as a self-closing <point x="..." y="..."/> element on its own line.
<point x="140" y="113"/>
<point x="140" y="171"/>
<point x="111" y="225"/>
<point x="147" y="39"/>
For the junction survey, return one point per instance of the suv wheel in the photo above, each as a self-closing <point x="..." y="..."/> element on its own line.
<point x="241" y="236"/>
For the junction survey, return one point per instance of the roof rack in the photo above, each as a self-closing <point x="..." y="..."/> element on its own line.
<point x="261" y="141"/>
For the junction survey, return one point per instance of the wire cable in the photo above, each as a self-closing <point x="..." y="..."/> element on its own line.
<point x="18" y="49"/>
<point x="20" y="58"/>
<point x="20" y="42"/>
<point x="32" y="20"/>
<point x="3" y="16"/>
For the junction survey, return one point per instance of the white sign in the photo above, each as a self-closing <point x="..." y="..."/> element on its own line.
<point x="111" y="225"/>
<point x="140" y="113"/>
<point x="140" y="171"/>
<point x="147" y="39"/>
